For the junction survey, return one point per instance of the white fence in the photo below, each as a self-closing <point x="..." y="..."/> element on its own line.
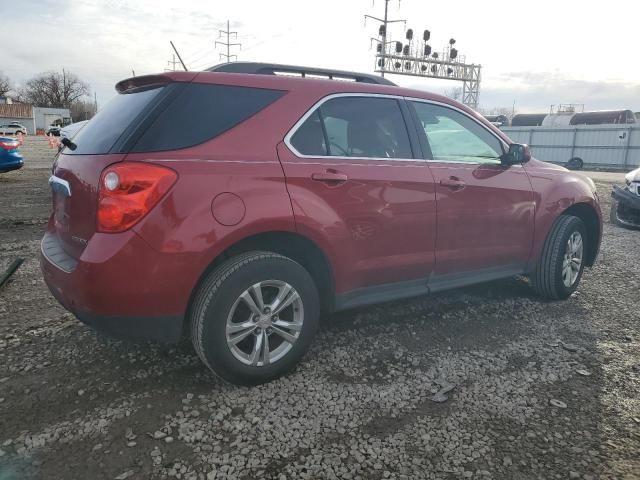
<point x="613" y="146"/>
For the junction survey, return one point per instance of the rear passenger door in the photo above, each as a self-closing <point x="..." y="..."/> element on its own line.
<point x="360" y="189"/>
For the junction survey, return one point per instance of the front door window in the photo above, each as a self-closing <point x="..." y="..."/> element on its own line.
<point x="452" y="136"/>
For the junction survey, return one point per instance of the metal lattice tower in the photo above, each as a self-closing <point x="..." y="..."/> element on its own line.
<point x="415" y="58"/>
<point x="383" y="32"/>
<point x="228" y="56"/>
<point x="471" y="88"/>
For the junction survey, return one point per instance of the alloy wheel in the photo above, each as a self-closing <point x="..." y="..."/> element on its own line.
<point x="264" y="323"/>
<point x="572" y="259"/>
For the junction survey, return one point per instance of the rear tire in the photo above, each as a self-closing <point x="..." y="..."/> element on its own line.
<point x="575" y="163"/>
<point x="557" y="274"/>
<point x="240" y="299"/>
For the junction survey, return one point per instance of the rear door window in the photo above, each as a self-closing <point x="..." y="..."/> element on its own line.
<point x="368" y="127"/>
<point x="309" y="138"/>
<point x="358" y="126"/>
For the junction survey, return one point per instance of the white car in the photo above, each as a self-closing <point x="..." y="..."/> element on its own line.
<point x="625" y="208"/>
<point x="12" y="129"/>
<point x="71" y="130"/>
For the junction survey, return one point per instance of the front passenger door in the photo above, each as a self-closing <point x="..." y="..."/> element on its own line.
<point x="485" y="209"/>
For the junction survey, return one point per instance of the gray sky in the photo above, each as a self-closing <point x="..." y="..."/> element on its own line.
<point x="534" y="53"/>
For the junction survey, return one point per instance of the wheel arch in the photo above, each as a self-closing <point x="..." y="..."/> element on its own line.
<point x="591" y="220"/>
<point x="289" y="244"/>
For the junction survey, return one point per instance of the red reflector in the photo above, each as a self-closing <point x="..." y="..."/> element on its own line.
<point x="9" y="144"/>
<point x="126" y="197"/>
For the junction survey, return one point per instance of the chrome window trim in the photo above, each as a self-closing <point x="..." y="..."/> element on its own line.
<point x="319" y="103"/>
<point x="504" y="145"/>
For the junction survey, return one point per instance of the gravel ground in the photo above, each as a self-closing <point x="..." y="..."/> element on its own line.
<point x="537" y="390"/>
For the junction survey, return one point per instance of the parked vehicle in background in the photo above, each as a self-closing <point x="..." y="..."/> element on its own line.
<point x="72" y="129"/>
<point x="625" y="209"/>
<point x="579" y="146"/>
<point x="238" y="204"/>
<point x="54" y="130"/>
<point x="498" y="120"/>
<point x="10" y="158"/>
<point x="563" y="119"/>
<point x="13" y="129"/>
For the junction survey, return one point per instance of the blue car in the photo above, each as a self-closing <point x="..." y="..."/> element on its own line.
<point x="10" y="158"/>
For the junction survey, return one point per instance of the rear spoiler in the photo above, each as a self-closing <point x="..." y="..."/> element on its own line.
<point x="146" y="81"/>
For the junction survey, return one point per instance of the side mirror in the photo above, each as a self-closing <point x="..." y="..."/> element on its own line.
<point x="518" y="153"/>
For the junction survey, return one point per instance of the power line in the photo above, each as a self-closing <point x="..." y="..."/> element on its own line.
<point x="228" y="43"/>
<point x="199" y="55"/>
<point x="179" y="57"/>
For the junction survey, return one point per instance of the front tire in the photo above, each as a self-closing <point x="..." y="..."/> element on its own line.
<point x="561" y="264"/>
<point x="254" y="317"/>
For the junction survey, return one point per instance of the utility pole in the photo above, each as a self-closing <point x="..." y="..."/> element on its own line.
<point x="179" y="57"/>
<point x="228" y="43"/>
<point x="384" y="22"/>
<point x="172" y="64"/>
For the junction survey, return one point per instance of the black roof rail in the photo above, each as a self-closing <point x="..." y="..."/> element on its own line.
<point x="258" y="68"/>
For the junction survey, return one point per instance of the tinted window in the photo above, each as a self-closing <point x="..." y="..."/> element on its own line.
<point x="365" y="127"/>
<point x="309" y="138"/>
<point x="112" y="121"/>
<point x="452" y="135"/>
<point x="200" y="112"/>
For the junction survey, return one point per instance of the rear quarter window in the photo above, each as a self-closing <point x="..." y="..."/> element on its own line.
<point x="171" y="117"/>
<point x="200" y="112"/>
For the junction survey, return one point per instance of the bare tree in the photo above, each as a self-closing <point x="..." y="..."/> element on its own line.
<point x="454" y="93"/>
<point x="82" y="110"/>
<point x="54" y="89"/>
<point x="507" y="111"/>
<point x="5" y="84"/>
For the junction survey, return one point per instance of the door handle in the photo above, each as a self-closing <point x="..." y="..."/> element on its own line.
<point x="329" y="177"/>
<point x="454" y="183"/>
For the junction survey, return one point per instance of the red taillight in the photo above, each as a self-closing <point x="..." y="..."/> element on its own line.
<point x="128" y="191"/>
<point x="9" y="144"/>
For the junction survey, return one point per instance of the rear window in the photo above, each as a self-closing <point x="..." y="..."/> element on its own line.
<point x="187" y="115"/>
<point x="200" y="112"/>
<point x="102" y="132"/>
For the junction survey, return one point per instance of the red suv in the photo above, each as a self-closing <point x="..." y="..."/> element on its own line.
<point x="238" y="204"/>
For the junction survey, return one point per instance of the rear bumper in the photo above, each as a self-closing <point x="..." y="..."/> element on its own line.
<point x="13" y="164"/>
<point x="120" y="286"/>
<point x="166" y="329"/>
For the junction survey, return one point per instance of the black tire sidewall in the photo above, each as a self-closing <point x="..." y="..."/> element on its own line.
<point x="575" y="225"/>
<point x="213" y="339"/>
<point x="575" y="163"/>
